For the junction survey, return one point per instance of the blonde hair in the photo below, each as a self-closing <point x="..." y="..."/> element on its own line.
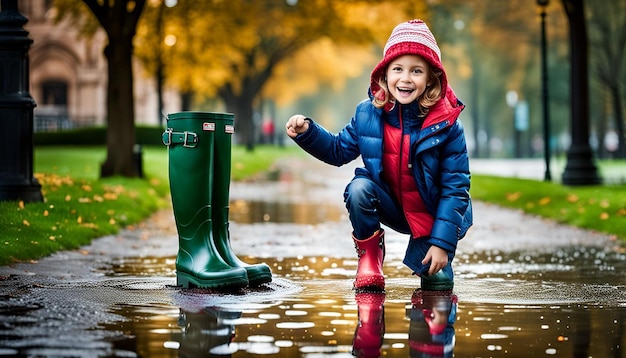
<point x="430" y="96"/>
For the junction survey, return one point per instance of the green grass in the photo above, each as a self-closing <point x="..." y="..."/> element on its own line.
<point x="79" y="206"/>
<point x="600" y="208"/>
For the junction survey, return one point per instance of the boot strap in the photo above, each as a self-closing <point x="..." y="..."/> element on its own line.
<point x="187" y="139"/>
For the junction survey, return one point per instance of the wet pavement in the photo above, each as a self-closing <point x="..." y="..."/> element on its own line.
<point x="524" y="286"/>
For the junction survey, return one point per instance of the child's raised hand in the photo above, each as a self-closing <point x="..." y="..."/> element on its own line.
<point x="297" y="124"/>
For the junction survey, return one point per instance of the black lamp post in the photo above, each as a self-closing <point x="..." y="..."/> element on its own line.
<point x="16" y="109"/>
<point x="544" y="90"/>
<point x="580" y="168"/>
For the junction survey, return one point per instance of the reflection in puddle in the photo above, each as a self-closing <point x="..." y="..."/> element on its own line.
<point x="434" y="326"/>
<point x="248" y="212"/>
<point x="327" y="318"/>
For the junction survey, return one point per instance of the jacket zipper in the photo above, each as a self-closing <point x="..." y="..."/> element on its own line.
<point x="400" y="155"/>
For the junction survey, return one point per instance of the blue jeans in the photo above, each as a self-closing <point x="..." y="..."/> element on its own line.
<point x="369" y="205"/>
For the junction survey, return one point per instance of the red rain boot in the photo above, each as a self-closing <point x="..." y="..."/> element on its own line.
<point x="371" y="252"/>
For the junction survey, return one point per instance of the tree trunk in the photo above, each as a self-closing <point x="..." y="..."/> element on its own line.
<point x="244" y="120"/>
<point x="120" y="109"/>
<point x="186" y="100"/>
<point x="619" y="120"/>
<point x="119" y="20"/>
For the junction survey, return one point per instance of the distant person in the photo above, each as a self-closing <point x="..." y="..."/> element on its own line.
<point x="267" y="129"/>
<point x="415" y="178"/>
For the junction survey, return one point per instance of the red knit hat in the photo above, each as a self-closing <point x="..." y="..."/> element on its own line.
<point x="412" y="37"/>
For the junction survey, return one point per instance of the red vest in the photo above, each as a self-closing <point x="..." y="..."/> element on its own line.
<point x="398" y="174"/>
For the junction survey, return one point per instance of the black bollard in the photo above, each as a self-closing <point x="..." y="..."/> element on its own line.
<point x="16" y="109"/>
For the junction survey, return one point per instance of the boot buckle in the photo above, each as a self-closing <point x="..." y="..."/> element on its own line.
<point x="167" y="137"/>
<point x="190" y="139"/>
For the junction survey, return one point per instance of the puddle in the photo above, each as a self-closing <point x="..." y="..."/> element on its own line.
<point x="327" y="325"/>
<point x="248" y="212"/>
<point x="311" y="311"/>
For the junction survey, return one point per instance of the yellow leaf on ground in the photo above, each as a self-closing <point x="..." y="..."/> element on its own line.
<point x="25" y="222"/>
<point x="110" y="196"/>
<point x="513" y="196"/>
<point x="545" y="201"/>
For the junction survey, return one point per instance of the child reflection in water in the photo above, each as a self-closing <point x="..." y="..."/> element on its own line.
<point x="431" y="330"/>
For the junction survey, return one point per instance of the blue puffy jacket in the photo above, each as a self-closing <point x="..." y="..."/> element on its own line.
<point x="438" y="156"/>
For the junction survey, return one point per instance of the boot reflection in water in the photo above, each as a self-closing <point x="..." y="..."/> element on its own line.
<point x="205" y="333"/>
<point x="431" y="331"/>
<point x="370" y="329"/>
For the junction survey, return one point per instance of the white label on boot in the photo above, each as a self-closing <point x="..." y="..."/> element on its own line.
<point x="229" y="128"/>
<point x="208" y="127"/>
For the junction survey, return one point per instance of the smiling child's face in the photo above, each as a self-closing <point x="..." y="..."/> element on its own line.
<point x="407" y="78"/>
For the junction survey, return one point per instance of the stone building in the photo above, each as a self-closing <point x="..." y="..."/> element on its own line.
<point x="68" y="75"/>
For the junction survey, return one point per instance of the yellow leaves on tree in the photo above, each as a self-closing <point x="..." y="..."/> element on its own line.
<point x="234" y="49"/>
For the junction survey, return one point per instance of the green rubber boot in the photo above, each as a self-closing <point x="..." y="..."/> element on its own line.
<point x="443" y="280"/>
<point x="189" y="137"/>
<point x="259" y="273"/>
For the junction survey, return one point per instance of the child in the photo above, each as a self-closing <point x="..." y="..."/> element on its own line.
<point x="416" y="177"/>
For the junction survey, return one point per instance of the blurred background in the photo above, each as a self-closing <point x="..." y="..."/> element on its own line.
<point x="266" y="60"/>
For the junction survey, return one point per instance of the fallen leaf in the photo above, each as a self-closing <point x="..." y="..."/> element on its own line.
<point x="513" y="196"/>
<point x="110" y="196"/>
<point x="545" y="201"/>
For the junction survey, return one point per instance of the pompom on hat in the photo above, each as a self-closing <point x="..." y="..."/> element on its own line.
<point x="409" y="38"/>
